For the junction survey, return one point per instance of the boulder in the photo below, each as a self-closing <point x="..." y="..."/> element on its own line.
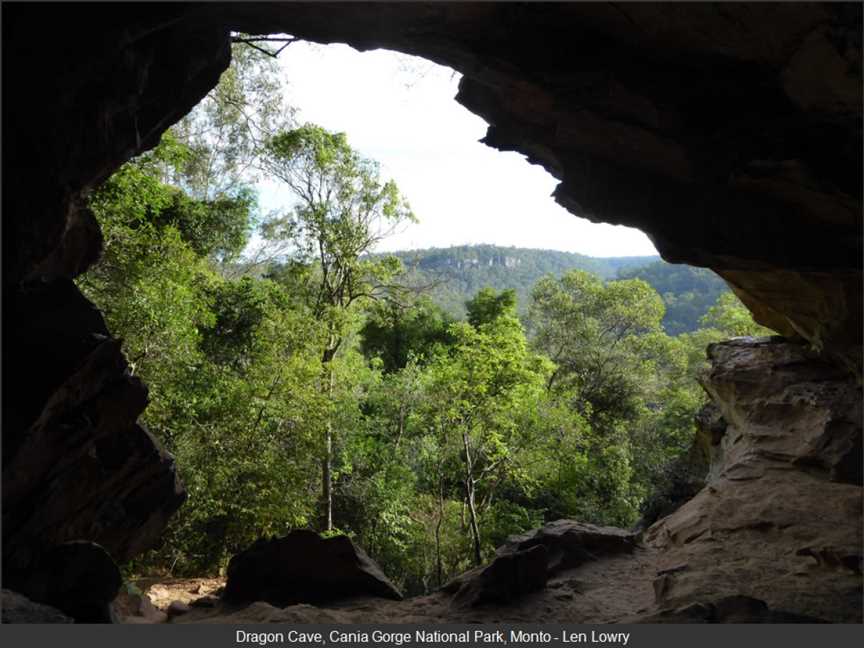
<point x="17" y="608"/>
<point x="78" y="578"/>
<point x="303" y="567"/>
<point x="525" y="562"/>
<point x="507" y="578"/>
<point x="135" y="607"/>
<point x="570" y="543"/>
<point x="177" y="608"/>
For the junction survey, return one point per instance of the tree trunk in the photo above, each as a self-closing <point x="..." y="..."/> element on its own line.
<point x="439" y="570"/>
<point x="469" y="493"/>
<point x="327" y="459"/>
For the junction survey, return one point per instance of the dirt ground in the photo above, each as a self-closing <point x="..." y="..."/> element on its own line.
<point x="609" y="590"/>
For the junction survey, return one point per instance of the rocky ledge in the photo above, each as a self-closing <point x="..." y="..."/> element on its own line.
<point x="780" y="518"/>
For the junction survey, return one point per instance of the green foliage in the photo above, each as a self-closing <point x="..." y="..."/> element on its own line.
<point x="220" y="227"/>
<point x="729" y="316"/>
<point x="687" y="292"/>
<point x="454" y="275"/>
<point x="487" y="306"/>
<point x="395" y="334"/>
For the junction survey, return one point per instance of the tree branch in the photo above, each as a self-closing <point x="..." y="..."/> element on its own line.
<point x="252" y="40"/>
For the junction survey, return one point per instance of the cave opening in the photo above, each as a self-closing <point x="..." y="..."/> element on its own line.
<point x="760" y="180"/>
<point x="223" y="272"/>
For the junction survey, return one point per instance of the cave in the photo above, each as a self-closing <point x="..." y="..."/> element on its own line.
<point x="730" y="133"/>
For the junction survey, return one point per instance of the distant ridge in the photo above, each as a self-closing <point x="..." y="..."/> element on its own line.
<point x="463" y="270"/>
<point x="459" y="272"/>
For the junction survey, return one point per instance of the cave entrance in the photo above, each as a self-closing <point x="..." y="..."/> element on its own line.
<point x="735" y="152"/>
<point x="298" y="375"/>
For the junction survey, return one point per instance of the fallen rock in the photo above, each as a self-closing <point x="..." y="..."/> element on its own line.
<point x="570" y="543"/>
<point x="508" y="577"/>
<point x="303" y="567"/>
<point x="525" y="562"/>
<point x="17" y="608"/>
<point x="78" y="578"/>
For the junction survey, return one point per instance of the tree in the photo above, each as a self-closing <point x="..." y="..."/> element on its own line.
<point x="227" y="131"/>
<point x="479" y="386"/>
<point x="595" y="334"/>
<point x="395" y="333"/>
<point x="729" y="316"/>
<point x="343" y="211"/>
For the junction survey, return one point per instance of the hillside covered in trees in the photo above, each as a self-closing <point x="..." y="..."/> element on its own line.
<point x="450" y="276"/>
<point x="318" y="388"/>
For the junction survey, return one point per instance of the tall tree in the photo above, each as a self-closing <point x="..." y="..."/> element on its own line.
<point x="343" y="210"/>
<point x="481" y="384"/>
<point x="227" y="132"/>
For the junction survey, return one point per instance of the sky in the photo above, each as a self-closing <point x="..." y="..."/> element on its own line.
<point x="400" y="110"/>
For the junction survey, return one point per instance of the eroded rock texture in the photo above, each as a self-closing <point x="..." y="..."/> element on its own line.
<point x="526" y="562"/>
<point x="780" y="518"/>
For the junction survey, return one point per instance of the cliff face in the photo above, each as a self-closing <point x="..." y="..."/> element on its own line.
<point x="730" y="133"/>
<point x="780" y="517"/>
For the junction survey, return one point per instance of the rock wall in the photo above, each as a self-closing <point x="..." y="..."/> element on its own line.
<point x="780" y="517"/>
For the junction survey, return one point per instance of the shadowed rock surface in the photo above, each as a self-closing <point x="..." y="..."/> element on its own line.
<point x="732" y="609"/>
<point x="525" y="563"/>
<point x="78" y="578"/>
<point x="780" y="521"/>
<point x="76" y="465"/>
<point x="570" y="543"/>
<point x="303" y="567"/>
<point x="17" y="608"/>
<point x="507" y="578"/>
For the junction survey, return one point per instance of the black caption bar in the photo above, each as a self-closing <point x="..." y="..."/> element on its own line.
<point x="436" y="636"/>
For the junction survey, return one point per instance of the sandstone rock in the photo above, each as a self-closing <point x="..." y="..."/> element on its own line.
<point x="78" y="578"/>
<point x="525" y="562"/>
<point x="303" y="567"/>
<point x="780" y="520"/>
<point x="785" y="404"/>
<point x="570" y="543"/>
<point x="76" y="466"/>
<point x="508" y="577"/>
<point x="17" y="608"/>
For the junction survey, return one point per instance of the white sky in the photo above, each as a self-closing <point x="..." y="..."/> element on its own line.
<point x="400" y="111"/>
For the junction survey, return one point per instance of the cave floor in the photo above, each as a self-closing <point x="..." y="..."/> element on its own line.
<point x="606" y="591"/>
